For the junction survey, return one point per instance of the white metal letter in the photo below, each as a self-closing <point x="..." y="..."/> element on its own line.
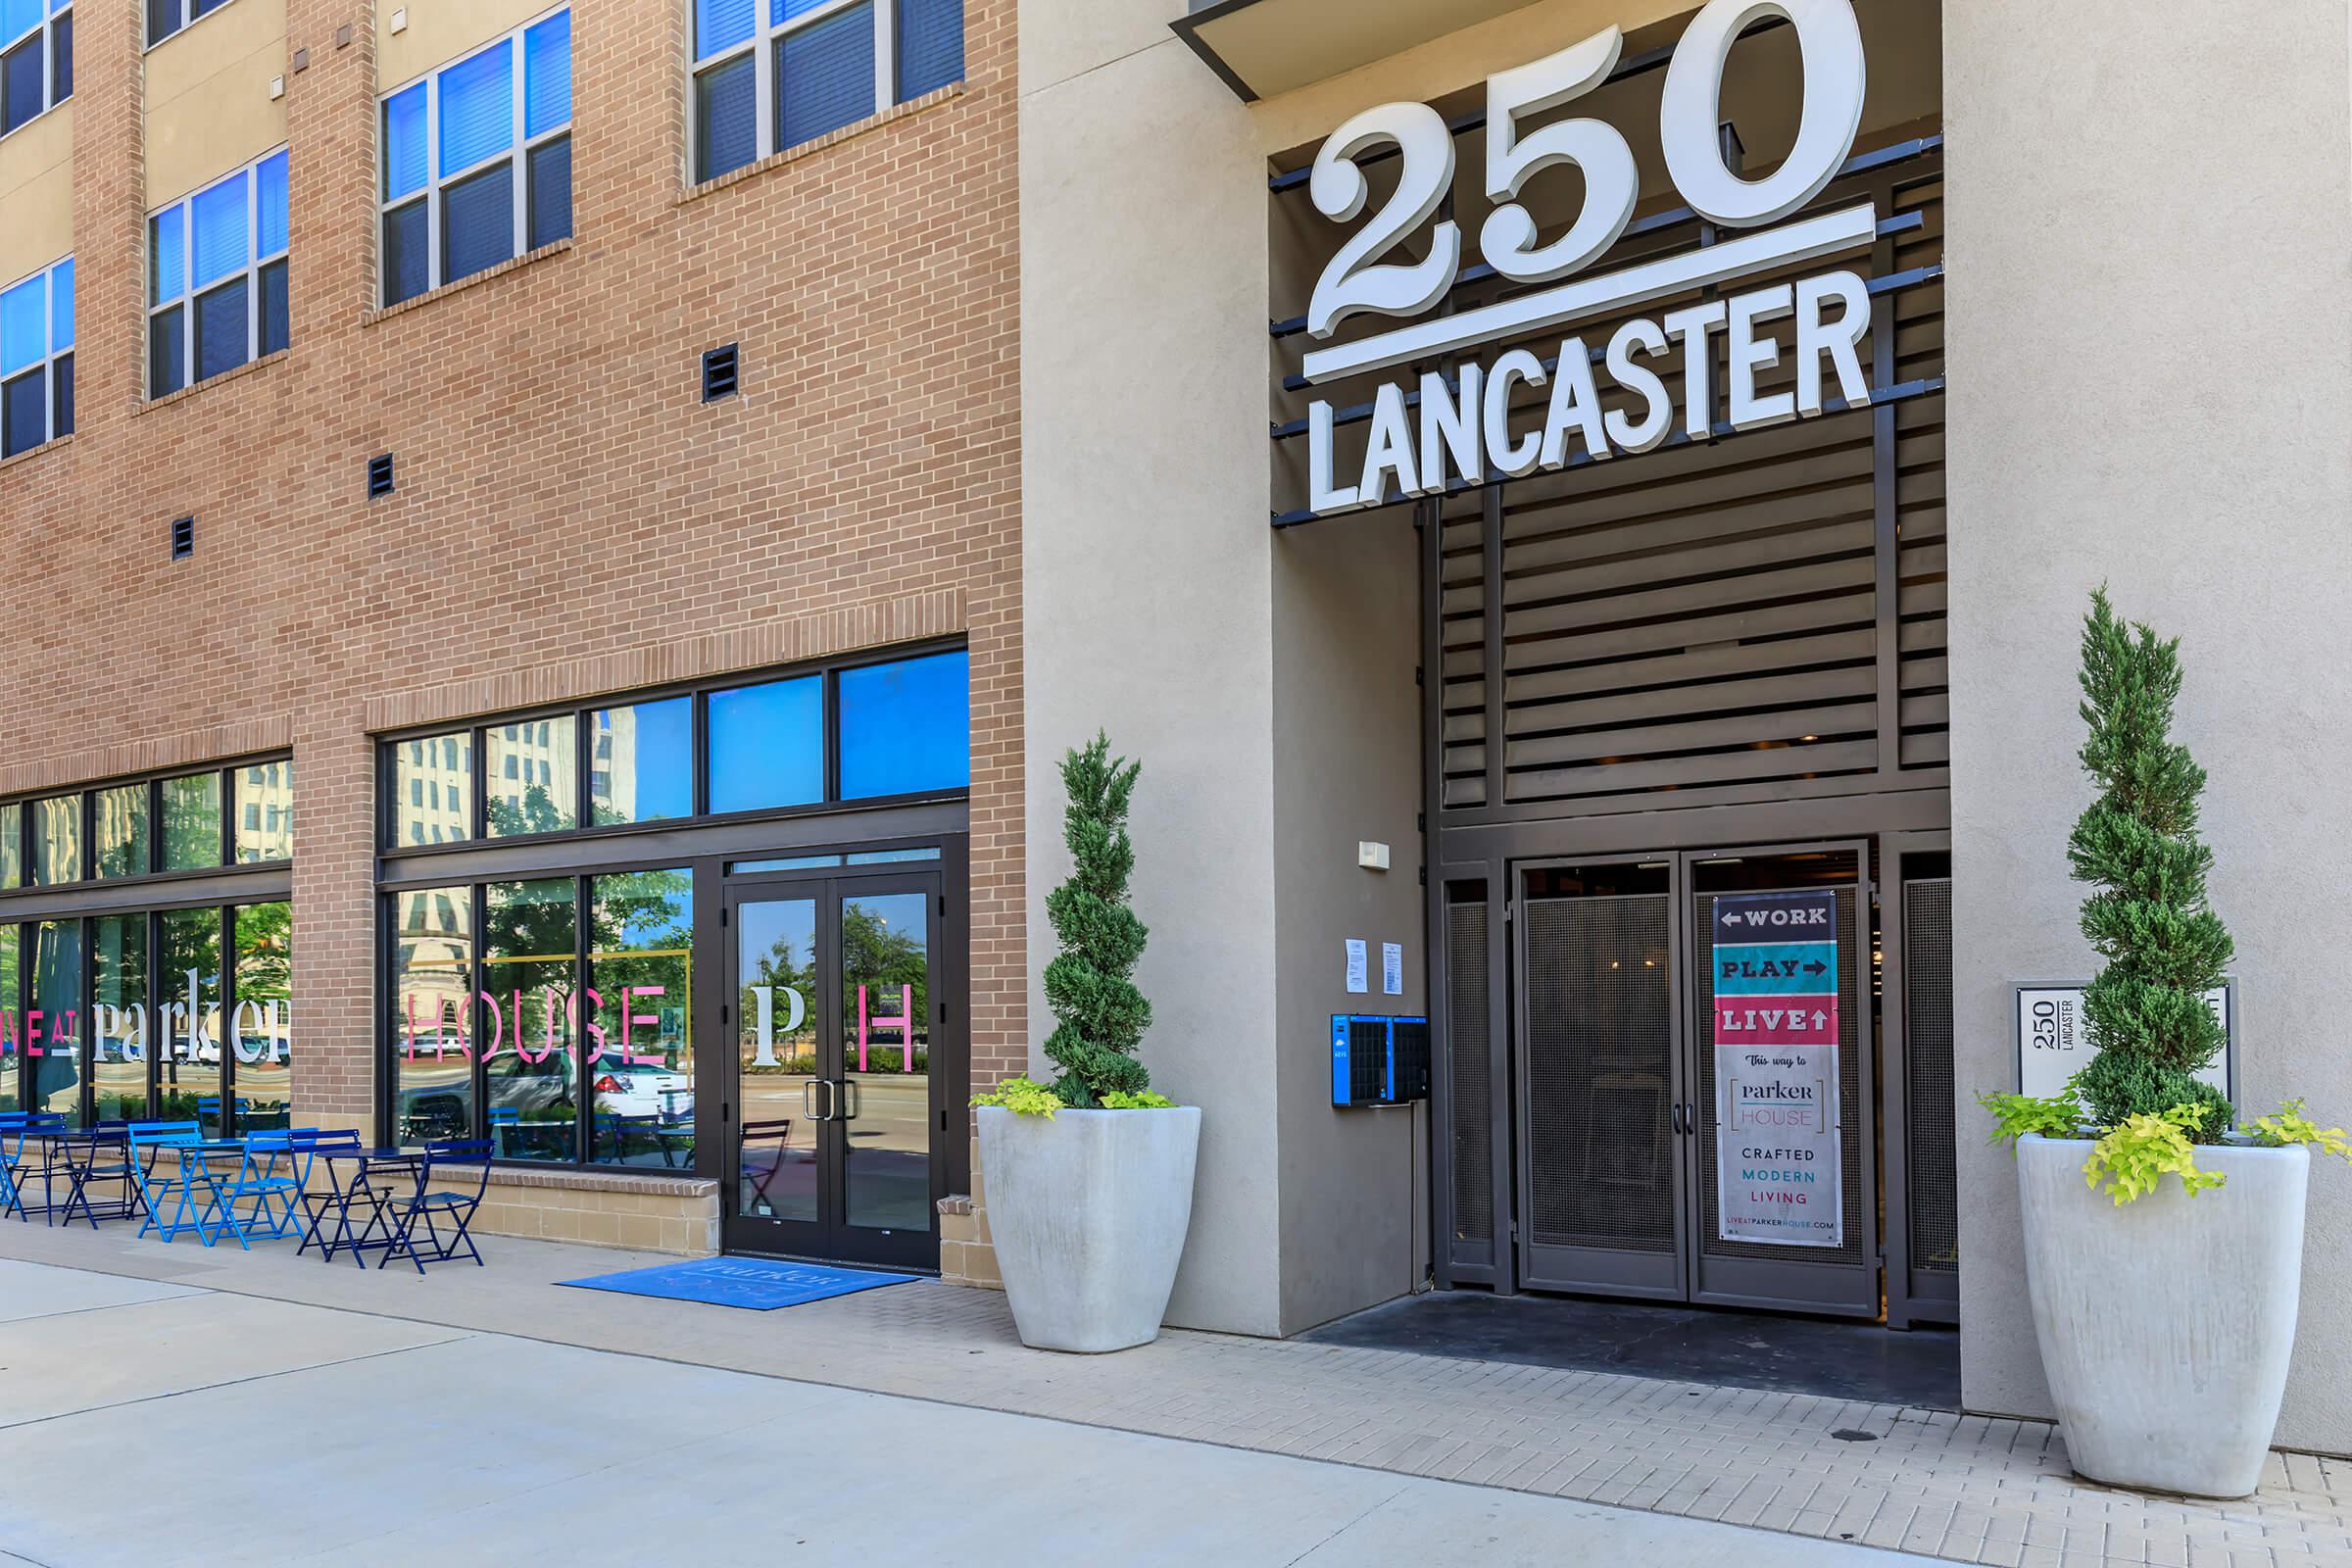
<point x="1390" y="449"/>
<point x="1837" y="339"/>
<point x="1322" y="495"/>
<point x="1512" y="460"/>
<point x="1657" y="417"/>
<point x="1351" y="284"/>
<point x="1450" y="429"/>
<point x="1689" y="328"/>
<point x="1691" y="105"/>
<point x="1749" y="352"/>
<point x="1611" y="184"/>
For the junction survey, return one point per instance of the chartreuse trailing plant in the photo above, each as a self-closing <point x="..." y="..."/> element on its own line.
<point x="1101" y="1016"/>
<point x="2130" y="1158"/>
<point x="2290" y="1126"/>
<point x="2015" y="1115"/>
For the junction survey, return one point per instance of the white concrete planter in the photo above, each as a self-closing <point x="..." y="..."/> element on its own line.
<point x="2165" y="1324"/>
<point x="1088" y="1212"/>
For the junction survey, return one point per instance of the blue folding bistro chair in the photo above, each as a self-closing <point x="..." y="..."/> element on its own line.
<point x="194" y="1192"/>
<point x="97" y="1159"/>
<point x="263" y="1200"/>
<point x="469" y="1155"/>
<point x="16" y="1129"/>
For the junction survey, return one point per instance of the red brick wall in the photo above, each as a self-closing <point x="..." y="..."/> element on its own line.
<point x="564" y="494"/>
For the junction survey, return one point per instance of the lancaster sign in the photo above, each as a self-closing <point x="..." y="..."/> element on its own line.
<point x="1470" y="428"/>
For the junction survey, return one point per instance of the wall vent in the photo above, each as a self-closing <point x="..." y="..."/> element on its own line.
<point x="380" y="476"/>
<point x="183" y="538"/>
<point x="719" y="366"/>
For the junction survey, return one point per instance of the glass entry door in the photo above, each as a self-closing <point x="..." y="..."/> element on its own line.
<point x="839" y="1120"/>
<point x="1694" y="1049"/>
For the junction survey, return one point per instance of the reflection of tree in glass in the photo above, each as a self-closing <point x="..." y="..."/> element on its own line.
<point x="883" y="960"/>
<point x="264" y="951"/>
<point x="641" y="934"/>
<point x="191" y="948"/>
<point x="191" y="823"/>
<point x="535" y="813"/>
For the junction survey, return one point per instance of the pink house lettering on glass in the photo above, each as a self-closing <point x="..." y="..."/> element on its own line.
<point x="904" y="1023"/>
<point x="442" y="1046"/>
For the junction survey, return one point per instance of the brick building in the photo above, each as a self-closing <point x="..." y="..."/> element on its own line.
<point x="375" y="436"/>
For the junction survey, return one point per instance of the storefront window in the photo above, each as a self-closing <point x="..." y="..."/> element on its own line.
<point x="531" y="774"/>
<point x="119" y="1014"/>
<point x="12" y="845"/>
<point x="641" y="762"/>
<point x="906" y="727"/>
<point x="192" y="823"/>
<point x="189" y="1019"/>
<point x="119" y="825"/>
<point x="53" y="1020"/>
<point x="767" y="744"/>
<point x="263" y="1016"/>
<point x="433" y="973"/>
<point x="639" y="1051"/>
<point x="265" y="813"/>
<point x="530" y="938"/>
<point x="11" y="1087"/>
<point x="54" y="848"/>
<point x="432" y="790"/>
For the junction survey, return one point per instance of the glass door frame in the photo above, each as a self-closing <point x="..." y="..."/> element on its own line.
<point x="830" y="1237"/>
<point x="1558" y="1267"/>
<point x="1795" y="1283"/>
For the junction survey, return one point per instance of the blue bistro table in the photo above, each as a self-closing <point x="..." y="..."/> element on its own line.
<point x="336" y="1201"/>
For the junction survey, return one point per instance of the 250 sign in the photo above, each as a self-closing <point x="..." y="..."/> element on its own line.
<point x="1470" y="429"/>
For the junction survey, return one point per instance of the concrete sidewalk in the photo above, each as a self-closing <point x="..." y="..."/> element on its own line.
<point x="1964" y="1488"/>
<point x="144" y="1423"/>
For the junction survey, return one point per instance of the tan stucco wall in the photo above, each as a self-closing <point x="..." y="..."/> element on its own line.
<point x="1155" y="588"/>
<point x="2151" y="375"/>
<point x="36" y="194"/>
<point x="209" y="108"/>
<point x="440" y="30"/>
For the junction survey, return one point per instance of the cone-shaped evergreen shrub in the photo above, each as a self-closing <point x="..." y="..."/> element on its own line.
<point x="1101" y="1015"/>
<point x="2145" y="1013"/>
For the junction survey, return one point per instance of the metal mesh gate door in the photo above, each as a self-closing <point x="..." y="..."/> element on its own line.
<point x="1842" y="1279"/>
<point x="1602" y="1180"/>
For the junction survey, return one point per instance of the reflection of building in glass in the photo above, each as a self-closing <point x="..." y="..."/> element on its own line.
<point x="531" y="775"/>
<point x="265" y="803"/>
<point x="612" y="766"/>
<point x="437" y="776"/>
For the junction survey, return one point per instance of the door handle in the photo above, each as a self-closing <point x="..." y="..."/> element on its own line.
<point x="849" y="1098"/>
<point x="1691" y="1117"/>
<point x="1676" y="1109"/>
<point x="808" y="1099"/>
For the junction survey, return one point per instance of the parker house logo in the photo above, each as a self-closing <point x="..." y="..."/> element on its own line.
<point x="1465" y="432"/>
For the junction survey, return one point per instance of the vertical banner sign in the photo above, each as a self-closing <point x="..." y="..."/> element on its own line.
<point x="1777" y="1175"/>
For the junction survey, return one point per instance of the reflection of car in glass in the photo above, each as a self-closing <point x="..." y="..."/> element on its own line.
<point x="638" y="1090"/>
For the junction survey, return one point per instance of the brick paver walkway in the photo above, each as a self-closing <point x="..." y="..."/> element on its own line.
<point x="1964" y="1488"/>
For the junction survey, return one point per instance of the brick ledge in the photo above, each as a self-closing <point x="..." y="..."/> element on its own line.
<point x="597" y="1181"/>
<point x="764" y="643"/>
<point x="831" y="138"/>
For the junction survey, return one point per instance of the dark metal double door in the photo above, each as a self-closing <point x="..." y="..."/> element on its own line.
<point x="1620" y="1106"/>
<point x="841" y="1063"/>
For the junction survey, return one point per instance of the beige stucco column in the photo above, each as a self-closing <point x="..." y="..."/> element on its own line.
<point x="2150" y="297"/>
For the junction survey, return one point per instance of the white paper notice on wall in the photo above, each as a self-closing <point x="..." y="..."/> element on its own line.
<point x="1358" y="967"/>
<point x="2052" y="1044"/>
<point x="1391" y="968"/>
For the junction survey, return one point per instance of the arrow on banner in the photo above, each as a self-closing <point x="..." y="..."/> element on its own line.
<point x="1820" y="1018"/>
<point x="1815" y="968"/>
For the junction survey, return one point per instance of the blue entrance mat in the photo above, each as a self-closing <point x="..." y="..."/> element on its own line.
<point x="755" y="1284"/>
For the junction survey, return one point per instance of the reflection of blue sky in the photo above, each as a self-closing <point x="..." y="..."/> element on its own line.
<point x="666" y="923"/>
<point x="664" y="759"/>
<point x="767" y="744"/>
<point x="906" y="727"/>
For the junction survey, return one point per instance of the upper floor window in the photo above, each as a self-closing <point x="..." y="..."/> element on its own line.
<point x="36" y="359"/>
<point x="896" y="727"/>
<point x="773" y="74"/>
<point x="216" y="278"/>
<point x="167" y="17"/>
<point x="147" y="827"/>
<point x="36" y="59"/>
<point x="477" y="160"/>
